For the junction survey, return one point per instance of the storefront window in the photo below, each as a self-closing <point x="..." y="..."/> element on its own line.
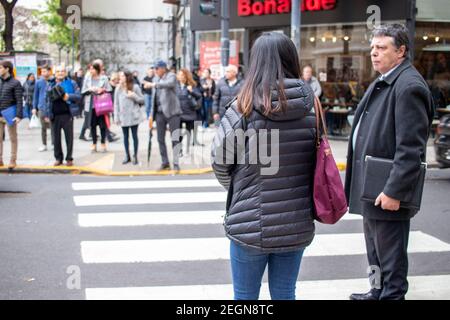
<point x="340" y="57"/>
<point x="432" y="60"/>
<point x="207" y="50"/>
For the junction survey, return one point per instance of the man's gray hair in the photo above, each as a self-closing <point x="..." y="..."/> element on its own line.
<point x="398" y="32"/>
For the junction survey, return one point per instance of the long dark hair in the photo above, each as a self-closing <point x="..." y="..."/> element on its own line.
<point x="130" y="79"/>
<point x="273" y="58"/>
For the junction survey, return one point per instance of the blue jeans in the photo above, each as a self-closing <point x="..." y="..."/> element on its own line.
<point x="206" y="107"/>
<point x="148" y="104"/>
<point x="247" y="268"/>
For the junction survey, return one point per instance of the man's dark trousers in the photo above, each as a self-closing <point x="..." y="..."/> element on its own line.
<point x="174" y="127"/>
<point x="387" y="245"/>
<point x="63" y="122"/>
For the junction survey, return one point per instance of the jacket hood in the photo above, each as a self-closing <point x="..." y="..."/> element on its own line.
<point x="300" y="101"/>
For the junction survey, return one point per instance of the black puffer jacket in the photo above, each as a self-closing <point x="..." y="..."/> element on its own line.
<point x="11" y="93"/>
<point x="272" y="213"/>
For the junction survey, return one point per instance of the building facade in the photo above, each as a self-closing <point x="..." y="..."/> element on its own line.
<point x="129" y="34"/>
<point x="335" y="39"/>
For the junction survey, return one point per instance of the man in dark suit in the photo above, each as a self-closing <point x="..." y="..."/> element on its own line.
<point x="393" y="121"/>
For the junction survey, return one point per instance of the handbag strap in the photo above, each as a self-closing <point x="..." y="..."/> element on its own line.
<point x="320" y="121"/>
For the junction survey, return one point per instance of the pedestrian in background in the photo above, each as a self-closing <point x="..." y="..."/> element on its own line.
<point x="307" y="76"/>
<point x="87" y="114"/>
<point x="28" y="94"/>
<point x="111" y="136"/>
<point x="166" y="110"/>
<point x="96" y="84"/>
<point x="39" y="106"/>
<point x="148" y="91"/>
<point x="269" y="217"/>
<point x="63" y="98"/>
<point x="227" y="89"/>
<point x="189" y="95"/>
<point x="209" y="88"/>
<point x="127" y="112"/>
<point x="136" y="78"/>
<point x="392" y="122"/>
<point x="11" y="99"/>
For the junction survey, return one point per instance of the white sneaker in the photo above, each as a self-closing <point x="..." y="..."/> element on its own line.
<point x="43" y="148"/>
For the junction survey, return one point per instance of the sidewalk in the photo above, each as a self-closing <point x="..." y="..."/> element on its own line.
<point x="110" y="163"/>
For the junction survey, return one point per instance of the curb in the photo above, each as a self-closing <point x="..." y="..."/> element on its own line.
<point x="90" y="171"/>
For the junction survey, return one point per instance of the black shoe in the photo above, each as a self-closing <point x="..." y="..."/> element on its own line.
<point x="164" y="167"/>
<point x="113" y="139"/>
<point x="126" y="160"/>
<point x="176" y="168"/>
<point x="373" y="294"/>
<point x="135" y="161"/>
<point x="83" y="138"/>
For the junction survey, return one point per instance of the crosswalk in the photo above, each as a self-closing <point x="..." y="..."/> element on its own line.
<point x="171" y="229"/>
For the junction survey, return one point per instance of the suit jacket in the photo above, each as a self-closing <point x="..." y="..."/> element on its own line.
<point x="395" y="118"/>
<point x="166" y="91"/>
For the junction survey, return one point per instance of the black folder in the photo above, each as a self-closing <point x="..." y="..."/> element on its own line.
<point x="376" y="174"/>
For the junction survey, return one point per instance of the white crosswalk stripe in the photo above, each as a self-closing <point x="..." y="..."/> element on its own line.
<point x="208" y="198"/>
<point x="421" y="288"/>
<point x="149" y="198"/>
<point x="218" y="248"/>
<point x="128" y="219"/>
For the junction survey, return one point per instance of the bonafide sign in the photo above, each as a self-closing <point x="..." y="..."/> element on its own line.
<point x="258" y="8"/>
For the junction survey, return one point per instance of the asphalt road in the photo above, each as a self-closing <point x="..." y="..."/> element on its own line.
<point x="41" y="239"/>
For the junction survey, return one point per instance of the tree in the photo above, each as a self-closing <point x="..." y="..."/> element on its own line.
<point x="8" y="6"/>
<point x="59" y="33"/>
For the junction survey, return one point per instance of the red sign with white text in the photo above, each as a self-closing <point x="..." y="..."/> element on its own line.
<point x="210" y="56"/>
<point x="258" y="8"/>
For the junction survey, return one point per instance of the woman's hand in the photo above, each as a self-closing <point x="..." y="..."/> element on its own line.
<point x="101" y="90"/>
<point x="189" y="88"/>
<point x="131" y="94"/>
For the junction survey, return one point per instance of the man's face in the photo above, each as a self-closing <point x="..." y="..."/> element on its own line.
<point x="60" y="74"/>
<point x="160" y="72"/>
<point x="230" y="74"/>
<point x="385" y="55"/>
<point x="3" y="71"/>
<point x="80" y="73"/>
<point x="307" y="73"/>
<point x="45" y="73"/>
<point x="150" y="73"/>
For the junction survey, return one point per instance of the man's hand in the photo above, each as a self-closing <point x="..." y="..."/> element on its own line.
<point x="66" y="97"/>
<point x="47" y="119"/>
<point x="216" y="117"/>
<point x="387" y="203"/>
<point x="17" y="120"/>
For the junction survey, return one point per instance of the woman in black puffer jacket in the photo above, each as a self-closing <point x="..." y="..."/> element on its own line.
<point x="269" y="213"/>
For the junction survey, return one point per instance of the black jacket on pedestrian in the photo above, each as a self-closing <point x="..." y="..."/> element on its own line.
<point x="28" y="92"/>
<point x="187" y="102"/>
<point x="396" y="115"/>
<point x="11" y="93"/>
<point x="59" y="106"/>
<point x="224" y="94"/>
<point x="148" y="91"/>
<point x="271" y="213"/>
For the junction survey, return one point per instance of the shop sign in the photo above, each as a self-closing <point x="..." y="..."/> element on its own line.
<point x="258" y="8"/>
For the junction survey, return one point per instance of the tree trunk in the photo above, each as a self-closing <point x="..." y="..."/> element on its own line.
<point x="9" y="24"/>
